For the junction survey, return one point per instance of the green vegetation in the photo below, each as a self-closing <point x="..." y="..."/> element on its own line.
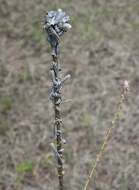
<point x="24" y="167"/>
<point x="6" y="103"/>
<point x="124" y="183"/>
<point x="133" y="156"/>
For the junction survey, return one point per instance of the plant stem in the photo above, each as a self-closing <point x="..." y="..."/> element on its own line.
<point x="56" y="24"/>
<point x="58" y="123"/>
<point x="116" y="118"/>
<point x="59" y="144"/>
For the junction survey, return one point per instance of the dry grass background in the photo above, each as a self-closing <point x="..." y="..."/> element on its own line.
<point x="100" y="52"/>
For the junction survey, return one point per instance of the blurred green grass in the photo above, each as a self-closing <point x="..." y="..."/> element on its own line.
<point x="6" y="103"/>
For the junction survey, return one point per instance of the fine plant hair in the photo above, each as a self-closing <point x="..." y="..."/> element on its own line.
<point x="56" y="24"/>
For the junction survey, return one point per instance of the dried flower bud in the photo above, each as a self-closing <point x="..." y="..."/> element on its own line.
<point x="126" y="85"/>
<point x="67" y="26"/>
<point x="58" y="20"/>
<point x="56" y="24"/>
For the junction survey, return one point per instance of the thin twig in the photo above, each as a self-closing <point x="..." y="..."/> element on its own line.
<point x="116" y="118"/>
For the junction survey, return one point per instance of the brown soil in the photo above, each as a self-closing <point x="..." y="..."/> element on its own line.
<point x="100" y="52"/>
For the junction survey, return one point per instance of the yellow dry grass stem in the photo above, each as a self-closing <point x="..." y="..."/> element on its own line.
<point x="109" y="133"/>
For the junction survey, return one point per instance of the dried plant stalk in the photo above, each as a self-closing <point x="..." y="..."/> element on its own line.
<point x="56" y="24"/>
<point x="116" y="118"/>
<point x="59" y="145"/>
